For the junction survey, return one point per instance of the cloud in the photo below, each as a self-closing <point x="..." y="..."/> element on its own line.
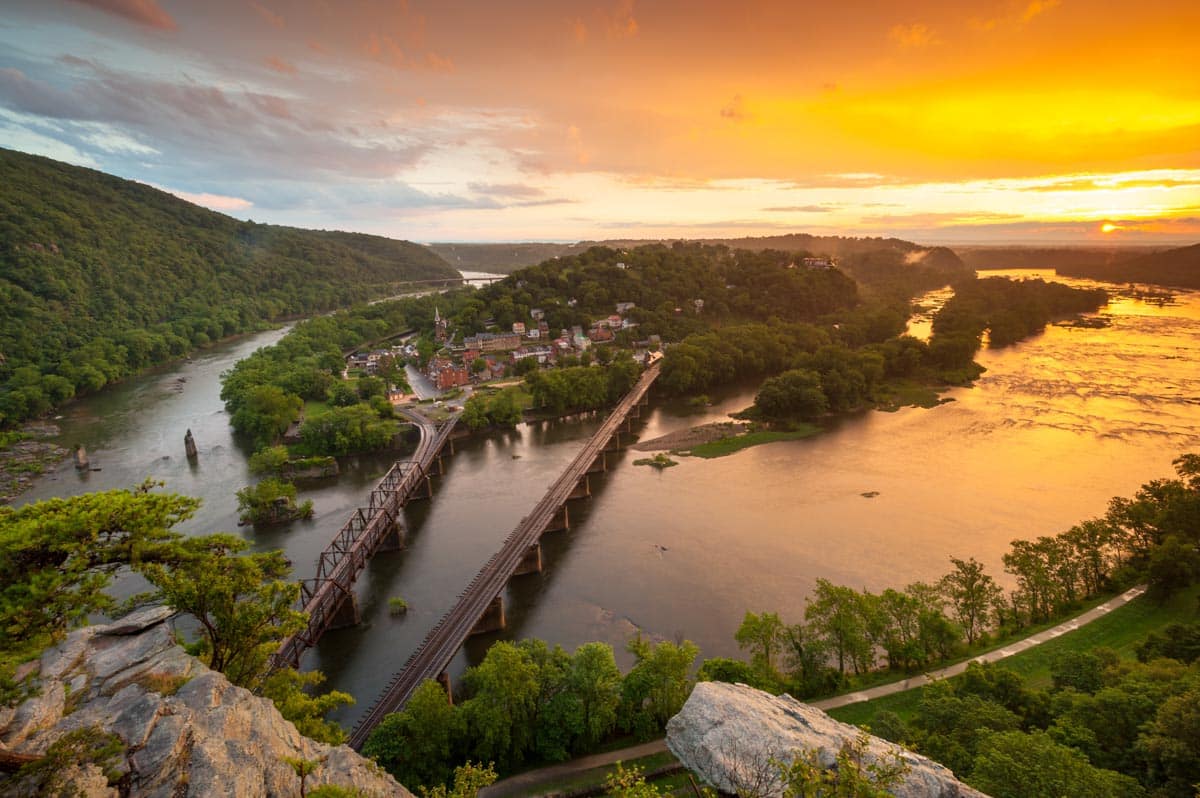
<point x="575" y="143"/>
<point x="622" y="23"/>
<point x="939" y="219"/>
<point x="280" y="65"/>
<point x="515" y="190"/>
<point x="194" y="123"/>
<point x="735" y="109"/>
<point x="1037" y="7"/>
<point x="800" y="209"/>
<point x="913" y="36"/>
<point x="271" y="18"/>
<point x="1109" y="183"/>
<point x="579" y="31"/>
<point x="142" y="12"/>
<point x="216" y="202"/>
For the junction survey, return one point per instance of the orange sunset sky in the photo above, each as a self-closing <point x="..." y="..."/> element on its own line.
<point x="971" y="121"/>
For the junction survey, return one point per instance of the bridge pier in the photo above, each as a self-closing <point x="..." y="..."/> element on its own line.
<point x="347" y="613"/>
<point x="423" y="489"/>
<point x="583" y="489"/>
<point x="614" y="443"/>
<point x="599" y="465"/>
<point x="560" y="521"/>
<point x="393" y="539"/>
<point x="532" y="564"/>
<point x="444" y="680"/>
<point x="436" y="467"/>
<point x="492" y="619"/>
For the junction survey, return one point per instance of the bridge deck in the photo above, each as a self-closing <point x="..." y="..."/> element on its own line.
<point x="434" y="654"/>
<point x="360" y="537"/>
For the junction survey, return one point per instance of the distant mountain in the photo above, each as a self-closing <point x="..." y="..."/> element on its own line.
<point x="873" y="262"/>
<point x="102" y="277"/>
<point x="1024" y="257"/>
<point x="1173" y="267"/>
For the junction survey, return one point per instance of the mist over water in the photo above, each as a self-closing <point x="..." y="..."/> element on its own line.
<point x="1056" y="426"/>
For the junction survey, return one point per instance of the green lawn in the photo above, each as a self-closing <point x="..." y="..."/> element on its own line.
<point x="1121" y="630"/>
<point x="725" y="446"/>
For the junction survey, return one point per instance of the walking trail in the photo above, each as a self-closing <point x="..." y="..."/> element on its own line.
<point x="524" y="782"/>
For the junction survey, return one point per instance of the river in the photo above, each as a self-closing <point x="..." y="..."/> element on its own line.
<point x="1056" y="426"/>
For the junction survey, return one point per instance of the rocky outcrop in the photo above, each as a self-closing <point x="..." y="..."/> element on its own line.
<point x="185" y="729"/>
<point x="730" y="733"/>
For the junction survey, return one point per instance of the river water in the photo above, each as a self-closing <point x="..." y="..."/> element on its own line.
<point x="1056" y="426"/>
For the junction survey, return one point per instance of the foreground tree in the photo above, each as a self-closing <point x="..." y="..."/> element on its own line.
<point x="417" y="744"/>
<point x="241" y="602"/>
<point x="973" y="596"/>
<point x="58" y="556"/>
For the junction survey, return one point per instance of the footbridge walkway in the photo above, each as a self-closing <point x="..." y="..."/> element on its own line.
<point x="329" y="597"/>
<point x="480" y="606"/>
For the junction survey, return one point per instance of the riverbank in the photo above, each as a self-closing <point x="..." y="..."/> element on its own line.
<point x="26" y="454"/>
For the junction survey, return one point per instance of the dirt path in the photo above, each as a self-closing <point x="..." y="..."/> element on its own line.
<point x="524" y="782"/>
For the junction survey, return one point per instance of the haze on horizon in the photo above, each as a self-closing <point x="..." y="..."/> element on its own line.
<point x="1011" y="121"/>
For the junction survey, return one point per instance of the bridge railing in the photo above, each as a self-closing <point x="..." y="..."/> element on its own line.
<point x="357" y="539"/>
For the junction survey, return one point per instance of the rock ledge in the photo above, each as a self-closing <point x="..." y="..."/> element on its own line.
<point x="187" y="730"/>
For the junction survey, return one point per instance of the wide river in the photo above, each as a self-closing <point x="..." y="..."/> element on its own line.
<point x="1057" y="426"/>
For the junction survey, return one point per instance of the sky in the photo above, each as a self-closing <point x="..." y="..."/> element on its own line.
<point x="941" y="121"/>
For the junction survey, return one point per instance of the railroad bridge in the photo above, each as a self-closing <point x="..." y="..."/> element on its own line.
<point x="329" y="597"/>
<point x="480" y="607"/>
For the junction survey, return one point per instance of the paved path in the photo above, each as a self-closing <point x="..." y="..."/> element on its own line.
<point x="991" y="656"/>
<point x="522" y="782"/>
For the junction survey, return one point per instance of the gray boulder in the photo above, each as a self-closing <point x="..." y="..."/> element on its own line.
<point x="729" y="734"/>
<point x="186" y="730"/>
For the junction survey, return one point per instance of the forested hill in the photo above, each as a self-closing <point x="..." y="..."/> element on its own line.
<point x="102" y="277"/>
<point x="1178" y="267"/>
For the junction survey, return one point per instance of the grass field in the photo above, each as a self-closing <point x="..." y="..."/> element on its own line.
<point x="1121" y="630"/>
<point x="725" y="446"/>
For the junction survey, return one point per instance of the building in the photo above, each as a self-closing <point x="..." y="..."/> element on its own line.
<point x="818" y="263"/>
<point x="625" y="307"/>
<point x="440" y="332"/>
<point x="445" y="373"/>
<point x="492" y="342"/>
<point x="537" y="314"/>
<point x="518" y="328"/>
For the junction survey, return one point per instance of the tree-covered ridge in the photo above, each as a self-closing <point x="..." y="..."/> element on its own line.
<point x="664" y="282"/>
<point x="1180" y="267"/>
<point x="102" y="277"/>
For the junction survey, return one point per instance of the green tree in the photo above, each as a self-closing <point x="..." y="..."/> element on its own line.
<point x="290" y="691"/>
<point x="58" y="556"/>
<point x="595" y="683"/>
<point x="469" y="779"/>
<point x="271" y="501"/>
<point x="795" y="394"/>
<point x="973" y="596"/>
<point x="838" y="615"/>
<point x="764" y="636"/>
<point x="499" y="715"/>
<point x="854" y="774"/>
<point x="265" y="414"/>
<point x="241" y="601"/>
<point x="1018" y="765"/>
<point x="658" y="684"/>
<point x="418" y="744"/>
<point x="1171" y="744"/>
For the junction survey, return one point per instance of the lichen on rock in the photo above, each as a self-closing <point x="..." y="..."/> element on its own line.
<point x="732" y="735"/>
<point x="185" y="729"/>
